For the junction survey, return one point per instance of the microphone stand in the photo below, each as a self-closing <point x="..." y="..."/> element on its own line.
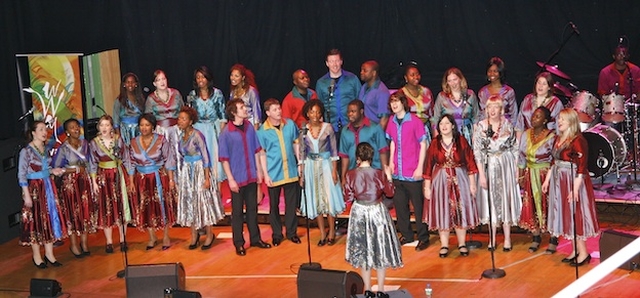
<point x="633" y="183"/>
<point x="564" y="42"/>
<point x="310" y="265"/>
<point x="494" y="272"/>
<point x="471" y="244"/>
<point x="122" y="273"/>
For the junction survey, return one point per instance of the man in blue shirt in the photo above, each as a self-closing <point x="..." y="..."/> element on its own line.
<point x="336" y="89"/>
<point x="361" y="129"/>
<point x="279" y="140"/>
<point x="374" y="93"/>
<point x="239" y="152"/>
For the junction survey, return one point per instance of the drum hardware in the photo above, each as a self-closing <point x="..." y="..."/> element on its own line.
<point x="634" y="184"/>
<point x="602" y="163"/>
<point x="553" y="69"/>
<point x="607" y="152"/>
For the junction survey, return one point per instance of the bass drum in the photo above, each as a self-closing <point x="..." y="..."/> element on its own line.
<point x="607" y="149"/>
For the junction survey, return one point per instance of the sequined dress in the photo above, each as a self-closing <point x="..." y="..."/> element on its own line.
<point x="197" y="206"/>
<point x="372" y="240"/>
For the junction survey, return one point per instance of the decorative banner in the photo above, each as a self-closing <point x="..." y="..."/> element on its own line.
<point x="56" y="92"/>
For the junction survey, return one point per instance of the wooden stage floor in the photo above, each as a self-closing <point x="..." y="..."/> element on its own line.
<point x="218" y="272"/>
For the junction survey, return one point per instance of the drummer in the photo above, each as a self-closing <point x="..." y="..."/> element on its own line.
<point x="615" y="77"/>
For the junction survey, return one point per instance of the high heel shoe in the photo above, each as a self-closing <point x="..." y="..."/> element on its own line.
<point x="86" y="252"/>
<point x="535" y="244"/>
<point x="42" y="265"/>
<point x="331" y="241"/>
<point x="150" y="247"/>
<point x="78" y="256"/>
<point x="109" y="248"/>
<point x="54" y="264"/>
<point x="575" y="262"/>
<point x="207" y="246"/>
<point x="194" y="246"/>
<point x="553" y="245"/>
<point x="322" y="242"/>
<point x="124" y="247"/>
<point x="569" y="260"/>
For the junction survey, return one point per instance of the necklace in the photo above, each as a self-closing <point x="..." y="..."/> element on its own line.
<point x="41" y="152"/>
<point x="166" y="93"/>
<point x="411" y="94"/>
<point x="315" y="130"/>
<point x="536" y="137"/>
<point x="496" y="135"/>
<point x="112" y="144"/>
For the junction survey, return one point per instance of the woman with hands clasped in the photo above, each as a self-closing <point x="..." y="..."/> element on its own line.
<point x="569" y="184"/>
<point x="450" y="182"/>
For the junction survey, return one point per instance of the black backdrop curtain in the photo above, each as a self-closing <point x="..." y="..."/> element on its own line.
<point x="274" y="38"/>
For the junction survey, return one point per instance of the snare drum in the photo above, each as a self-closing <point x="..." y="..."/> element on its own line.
<point x="613" y="108"/>
<point x="607" y="149"/>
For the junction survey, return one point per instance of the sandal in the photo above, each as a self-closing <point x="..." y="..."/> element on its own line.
<point x="445" y="253"/>
<point x="465" y="252"/>
<point x="553" y="244"/>
<point x="535" y="244"/>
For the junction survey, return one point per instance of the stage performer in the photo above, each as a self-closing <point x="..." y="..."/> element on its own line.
<point x="361" y="129"/>
<point x="73" y="156"/>
<point x="450" y="181"/>
<point x="165" y="103"/>
<point x="542" y="96"/>
<point x="294" y="100"/>
<point x="420" y="98"/>
<point x="108" y="169"/>
<point x="319" y="154"/>
<point x="496" y="75"/>
<point x="457" y="100"/>
<point x="617" y="76"/>
<point x="128" y="107"/>
<point x="243" y="86"/>
<point x="407" y="152"/>
<point x="153" y="164"/>
<point x="209" y="103"/>
<point x="43" y="216"/>
<point x="372" y="240"/>
<point x="278" y="138"/>
<point x="199" y="203"/>
<point x="374" y="94"/>
<point x="239" y="154"/>
<point x="568" y="184"/>
<point x="501" y="149"/>
<point x="533" y="166"/>
<point x="336" y="89"/>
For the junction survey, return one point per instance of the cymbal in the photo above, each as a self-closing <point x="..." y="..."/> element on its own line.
<point x="553" y="69"/>
<point x="561" y="90"/>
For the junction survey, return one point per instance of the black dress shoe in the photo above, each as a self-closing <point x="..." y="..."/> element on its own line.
<point x="240" y="251"/>
<point x="276" y="241"/>
<point x="261" y="244"/>
<point x="465" y="252"/>
<point x="575" y="263"/>
<point x="506" y="249"/>
<point x="194" y="246"/>
<point x="369" y="294"/>
<point x="109" y="248"/>
<point x="568" y="260"/>
<point x="404" y="241"/>
<point x="444" y="252"/>
<point x="78" y="256"/>
<point x="382" y="295"/>
<point x="207" y="246"/>
<point x="322" y="242"/>
<point x="86" y="252"/>
<point x="422" y="245"/>
<point x="124" y="247"/>
<point x="295" y="239"/>
<point x="42" y="265"/>
<point x="150" y="247"/>
<point x="331" y="241"/>
<point x="54" y="264"/>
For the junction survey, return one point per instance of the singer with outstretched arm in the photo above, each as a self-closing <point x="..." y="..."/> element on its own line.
<point x="458" y="100"/>
<point x="569" y="186"/>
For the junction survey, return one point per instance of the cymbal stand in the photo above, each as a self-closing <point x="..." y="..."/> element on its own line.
<point x="634" y="184"/>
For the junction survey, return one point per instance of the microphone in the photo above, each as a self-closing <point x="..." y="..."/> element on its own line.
<point x="304" y="129"/>
<point x="574" y="154"/>
<point x="617" y="88"/>
<point x="101" y="109"/>
<point x="574" y="27"/>
<point x="465" y="98"/>
<point x="29" y="112"/>
<point x="332" y="87"/>
<point x="145" y="89"/>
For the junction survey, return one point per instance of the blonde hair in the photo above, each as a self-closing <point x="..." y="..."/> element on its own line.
<point x="495" y="99"/>
<point x="571" y="116"/>
<point x="458" y="73"/>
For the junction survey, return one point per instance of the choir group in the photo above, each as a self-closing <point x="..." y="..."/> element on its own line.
<point x="459" y="159"/>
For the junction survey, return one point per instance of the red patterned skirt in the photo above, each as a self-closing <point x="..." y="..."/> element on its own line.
<point x="155" y="211"/>
<point x="114" y="203"/>
<point x="45" y="221"/>
<point x="534" y="201"/>
<point x="75" y="192"/>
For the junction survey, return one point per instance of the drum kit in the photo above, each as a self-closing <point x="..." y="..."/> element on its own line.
<point x="610" y="126"/>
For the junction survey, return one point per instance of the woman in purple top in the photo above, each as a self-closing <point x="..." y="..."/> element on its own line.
<point x="73" y="155"/>
<point x="43" y="219"/>
<point x="496" y="75"/>
<point x="165" y="103"/>
<point x="199" y="204"/>
<point x="458" y="100"/>
<point x="542" y="96"/>
<point x="372" y="241"/>
<point x="154" y="164"/>
<point x="107" y="167"/>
